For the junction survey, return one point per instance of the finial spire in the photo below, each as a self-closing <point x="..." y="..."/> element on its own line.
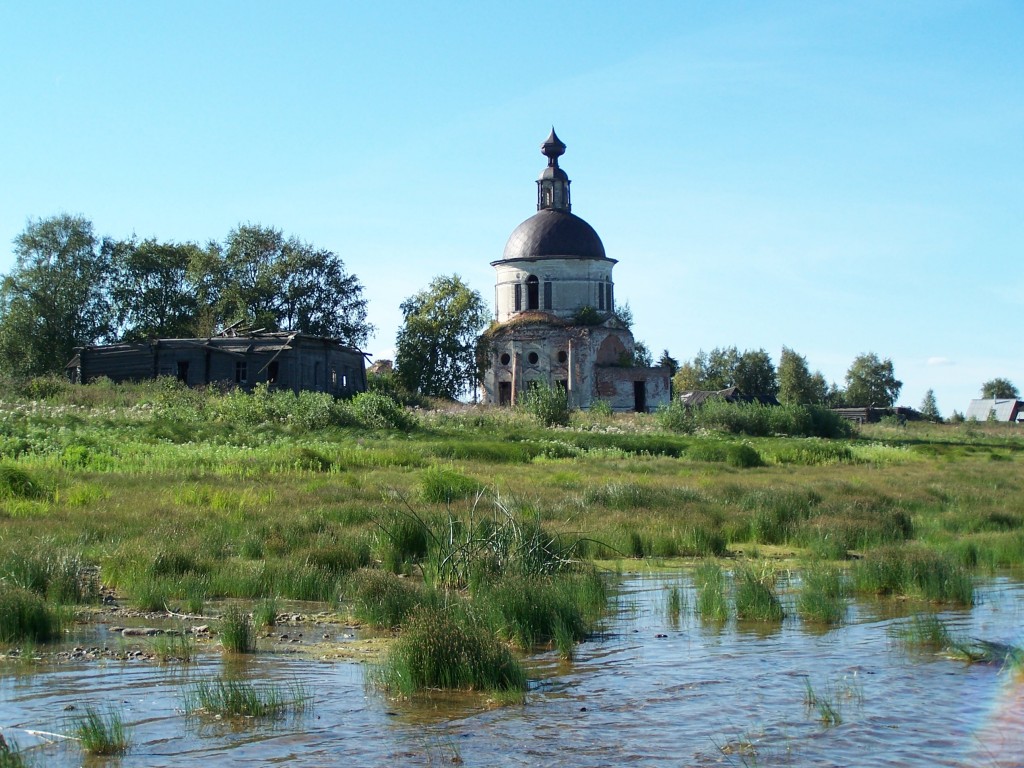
<point x="552" y="148"/>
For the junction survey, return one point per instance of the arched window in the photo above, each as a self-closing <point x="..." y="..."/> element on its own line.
<point x="532" y="292"/>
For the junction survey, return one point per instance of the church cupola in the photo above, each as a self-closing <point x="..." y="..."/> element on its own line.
<point x="553" y="184"/>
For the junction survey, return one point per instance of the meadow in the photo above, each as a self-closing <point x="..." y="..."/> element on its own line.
<point x="447" y="516"/>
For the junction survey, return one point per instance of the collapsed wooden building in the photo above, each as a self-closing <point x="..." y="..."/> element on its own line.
<point x="282" y="360"/>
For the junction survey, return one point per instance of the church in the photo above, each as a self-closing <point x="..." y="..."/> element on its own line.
<point x="555" y="321"/>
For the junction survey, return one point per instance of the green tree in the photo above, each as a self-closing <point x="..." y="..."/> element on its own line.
<point x="797" y="385"/>
<point x="288" y="285"/>
<point x="930" y="407"/>
<point x="870" y="381"/>
<point x="152" y="290"/>
<point x="642" y="355"/>
<point x="436" y="346"/>
<point x="667" y="361"/>
<point x="55" y="299"/>
<point x="755" y="373"/>
<point x="1002" y="389"/>
<point x="724" y="367"/>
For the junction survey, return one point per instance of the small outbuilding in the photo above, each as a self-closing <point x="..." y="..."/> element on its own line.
<point x="996" y="409"/>
<point x="294" y="361"/>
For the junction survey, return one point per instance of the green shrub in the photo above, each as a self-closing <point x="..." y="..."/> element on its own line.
<point x="533" y="610"/>
<point x="913" y="571"/>
<point x="377" y="411"/>
<point x="743" y="456"/>
<point x="227" y="697"/>
<point x="17" y="483"/>
<point x="550" y="405"/>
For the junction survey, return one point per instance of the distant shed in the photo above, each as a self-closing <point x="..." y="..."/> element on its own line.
<point x="998" y="409"/>
<point x="292" y="361"/>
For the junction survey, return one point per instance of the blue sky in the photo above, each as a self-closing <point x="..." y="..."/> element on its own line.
<point x="835" y="177"/>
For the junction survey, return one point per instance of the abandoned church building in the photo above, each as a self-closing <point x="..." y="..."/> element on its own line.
<point x="555" y="311"/>
<point x="294" y="361"/>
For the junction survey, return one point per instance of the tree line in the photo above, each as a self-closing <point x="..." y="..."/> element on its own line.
<point x="70" y="288"/>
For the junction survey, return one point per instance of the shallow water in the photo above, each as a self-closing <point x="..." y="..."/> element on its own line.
<point x="644" y="693"/>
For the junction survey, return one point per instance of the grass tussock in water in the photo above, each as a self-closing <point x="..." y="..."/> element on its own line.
<point x="229" y="697"/>
<point x="535" y="610"/>
<point x="449" y="647"/>
<point x="385" y="600"/>
<point x="712" y="598"/>
<point x="913" y="571"/>
<point x="237" y="633"/>
<point x="755" y="595"/>
<point x="102" y="733"/>
<point x="24" y="615"/>
<point x="823" y="595"/>
<point x="11" y="755"/>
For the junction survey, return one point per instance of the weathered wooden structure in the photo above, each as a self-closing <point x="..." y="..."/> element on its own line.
<point x="292" y="361"/>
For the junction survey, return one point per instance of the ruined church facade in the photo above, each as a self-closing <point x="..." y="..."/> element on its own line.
<point x="555" y="321"/>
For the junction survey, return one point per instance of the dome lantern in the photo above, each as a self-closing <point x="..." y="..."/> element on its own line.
<point x="553" y="184"/>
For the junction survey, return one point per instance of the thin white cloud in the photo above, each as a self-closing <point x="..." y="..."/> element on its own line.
<point x="934" y="361"/>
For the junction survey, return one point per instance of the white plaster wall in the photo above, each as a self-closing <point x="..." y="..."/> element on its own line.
<point x="574" y="284"/>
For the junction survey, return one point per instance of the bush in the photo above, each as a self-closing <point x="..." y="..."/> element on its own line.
<point x="550" y="405"/>
<point x="16" y="483"/>
<point x="376" y="411"/>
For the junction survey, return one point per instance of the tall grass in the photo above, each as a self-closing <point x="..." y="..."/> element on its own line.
<point x="822" y="598"/>
<point x="24" y="615"/>
<point x="913" y="571"/>
<point x="382" y="599"/>
<point x="535" y="610"/>
<point x="712" y="601"/>
<point x="755" y="596"/>
<point x="229" y="697"/>
<point x="449" y="648"/>
<point x="237" y="634"/>
<point x="102" y="734"/>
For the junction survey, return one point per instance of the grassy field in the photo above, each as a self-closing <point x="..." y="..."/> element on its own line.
<point x="172" y="497"/>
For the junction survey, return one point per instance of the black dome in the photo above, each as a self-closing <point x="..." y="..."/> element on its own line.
<point x="550" y="233"/>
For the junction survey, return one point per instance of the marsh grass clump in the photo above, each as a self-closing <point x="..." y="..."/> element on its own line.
<point x="102" y="734"/>
<point x="536" y="610"/>
<point x="822" y="598"/>
<point x="925" y="632"/>
<point x="383" y="599"/>
<point x="916" y="572"/>
<point x="237" y="634"/>
<point x="174" y="647"/>
<point x="24" y="615"/>
<point x="402" y="540"/>
<point x="675" y="604"/>
<point x="450" y="648"/>
<point x="712" y="601"/>
<point x="755" y="594"/>
<point x="441" y="485"/>
<point x="19" y="483"/>
<point x="264" y="614"/>
<point x="228" y="697"/>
